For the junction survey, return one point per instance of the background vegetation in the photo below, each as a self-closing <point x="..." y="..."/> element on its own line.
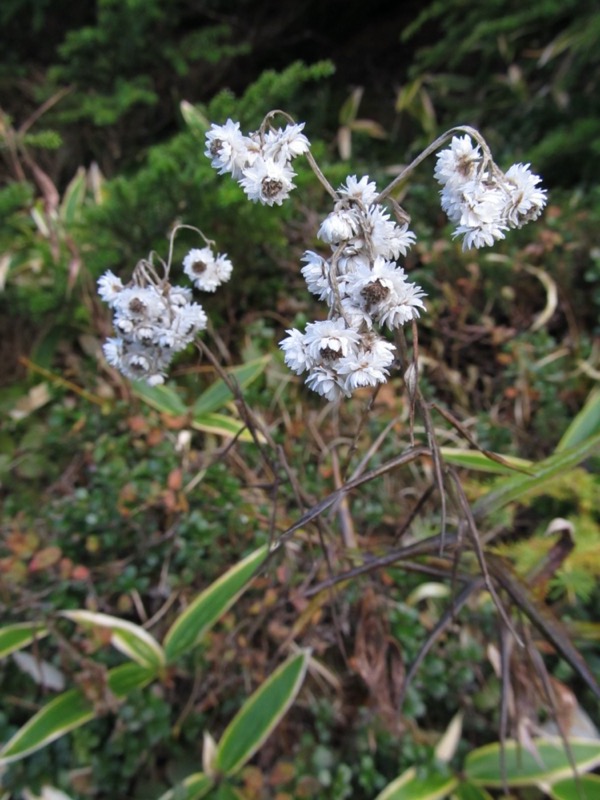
<point x="125" y="507"/>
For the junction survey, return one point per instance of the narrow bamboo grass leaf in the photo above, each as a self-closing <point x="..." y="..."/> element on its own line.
<point x="219" y="394"/>
<point x="193" y="787"/>
<point x="511" y="489"/>
<point x="68" y="711"/>
<point x="125" y="678"/>
<point x="585" y="425"/>
<point x="16" y="637"/>
<point x="542" y="617"/>
<point x="130" y="639"/>
<point x="73" y="197"/>
<point x="585" y="787"/>
<point x="194" y="118"/>
<point x="61" y="715"/>
<point x="473" y="459"/>
<point x="213" y="602"/>
<point x="222" y="426"/>
<point x="550" y="764"/>
<point x="410" y="787"/>
<point x="162" y="398"/>
<point x="469" y="791"/>
<point x="260" y="714"/>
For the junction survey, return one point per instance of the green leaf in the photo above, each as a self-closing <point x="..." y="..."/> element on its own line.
<point x="68" y="711"/>
<point x="473" y="459"/>
<point x="122" y="680"/>
<point x="196" y="121"/>
<point x="162" y="398"/>
<point x="260" y="714"/>
<point x="130" y="639"/>
<point x="585" y="787"/>
<point x="219" y="394"/>
<point x="192" y="788"/>
<point x="222" y="425"/>
<point x="468" y="791"/>
<point x="410" y="787"/>
<point x="213" y="602"/>
<point x="61" y="715"/>
<point x="585" y="425"/>
<point x="483" y="766"/>
<point x="73" y="197"/>
<point x="511" y="489"/>
<point x="16" y="637"/>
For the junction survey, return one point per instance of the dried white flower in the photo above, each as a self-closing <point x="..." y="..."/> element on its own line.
<point x="205" y="270"/>
<point x="228" y="149"/>
<point x="267" y="181"/>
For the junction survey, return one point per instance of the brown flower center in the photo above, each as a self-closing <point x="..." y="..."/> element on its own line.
<point x="136" y="306"/>
<point x="198" y="267"/>
<point x="271" y="187"/>
<point x="330" y="354"/>
<point x="374" y="293"/>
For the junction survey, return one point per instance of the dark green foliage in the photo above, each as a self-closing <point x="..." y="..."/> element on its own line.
<point x="527" y="75"/>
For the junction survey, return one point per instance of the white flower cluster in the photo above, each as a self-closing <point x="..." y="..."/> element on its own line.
<point x="259" y="162"/>
<point x="363" y="286"/>
<point x="484" y="201"/>
<point x="153" y="319"/>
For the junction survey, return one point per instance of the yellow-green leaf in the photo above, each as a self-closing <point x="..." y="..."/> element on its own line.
<point x="219" y="394"/>
<point x="189" y="628"/>
<point x="585" y="424"/>
<point x="584" y="787"/>
<point x="411" y="787"/>
<point x="68" y="711"/>
<point x="522" y="768"/>
<point x="163" y="398"/>
<point x="473" y="459"/>
<point x="468" y="791"/>
<point x="73" y="197"/>
<point x="260" y="714"/>
<point x="222" y="426"/>
<point x="16" y="637"/>
<point x="130" y="639"/>
<point x="193" y="787"/>
<point x="511" y="489"/>
<point x="194" y="118"/>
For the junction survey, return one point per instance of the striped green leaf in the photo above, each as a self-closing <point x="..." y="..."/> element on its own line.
<point x="68" y="711"/>
<point x="130" y="639"/>
<point x="194" y="787"/>
<point x="585" y="425"/>
<point x="189" y="628"/>
<point x="163" y="398"/>
<point x="260" y="714"/>
<point x="473" y="459"/>
<point x="469" y="791"/>
<point x="219" y="394"/>
<point x="222" y="425"/>
<point x="411" y="787"/>
<point x="522" y="768"/>
<point x="16" y="637"/>
<point x="73" y="197"/>
<point x="584" y="787"/>
<point x="511" y="489"/>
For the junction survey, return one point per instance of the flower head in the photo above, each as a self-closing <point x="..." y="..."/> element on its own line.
<point x="205" y="270"/>
<point x="267" y="181"/>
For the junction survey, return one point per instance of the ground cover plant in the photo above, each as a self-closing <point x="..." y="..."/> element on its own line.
<point x="359" y="511"/>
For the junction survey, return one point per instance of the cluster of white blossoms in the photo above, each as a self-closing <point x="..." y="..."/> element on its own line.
<point x="363" y="286"/>
<point x="484" y="201"/>
<point x="260" y="162"/>
<point x="155" y="320"/>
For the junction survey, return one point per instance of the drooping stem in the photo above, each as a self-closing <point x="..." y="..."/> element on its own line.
<point x="309" y="156"/>
<point x="431" y="149"/>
